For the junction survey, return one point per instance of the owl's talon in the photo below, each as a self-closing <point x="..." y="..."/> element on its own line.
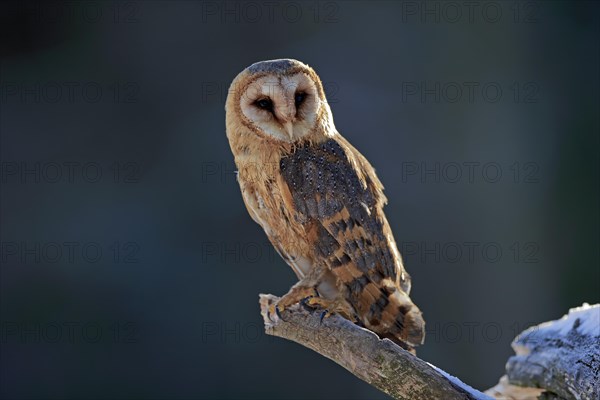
<point x="274" y="309"/>
<point x="311" y="302"/>
<point x="278" y="313"/>
<point x="304" y="304"/>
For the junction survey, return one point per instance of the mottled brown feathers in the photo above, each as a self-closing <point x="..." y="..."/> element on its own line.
<point x="353" y="239"/>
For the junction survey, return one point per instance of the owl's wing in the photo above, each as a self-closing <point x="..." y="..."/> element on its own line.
<point x="339" y="199"/>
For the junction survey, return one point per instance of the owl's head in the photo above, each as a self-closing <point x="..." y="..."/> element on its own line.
<point x="279" y="99"/>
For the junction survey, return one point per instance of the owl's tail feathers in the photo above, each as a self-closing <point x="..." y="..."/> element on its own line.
<point x="405" y="324"/>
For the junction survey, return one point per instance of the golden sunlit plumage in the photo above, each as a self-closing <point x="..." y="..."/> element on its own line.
<point x="318" y="200"/>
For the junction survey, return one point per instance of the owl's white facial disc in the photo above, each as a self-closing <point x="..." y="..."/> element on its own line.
<point x="282" y="106"/>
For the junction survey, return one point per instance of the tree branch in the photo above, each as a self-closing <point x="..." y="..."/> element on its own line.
<point x="379" y="362"/>
<point x="559" y="357"/>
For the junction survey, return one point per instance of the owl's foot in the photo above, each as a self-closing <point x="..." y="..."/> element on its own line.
<point x="312" y="302"/>
<point x="274" y="310"/>
<point x="329" y="307"/>
<point x="295" y="295"/>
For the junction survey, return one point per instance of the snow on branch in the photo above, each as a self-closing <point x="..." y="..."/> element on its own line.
<point x="559" y="358"/>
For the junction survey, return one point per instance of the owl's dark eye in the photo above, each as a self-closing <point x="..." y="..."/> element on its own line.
<point x="299" y="98"/>
<point x="265" y="104"/>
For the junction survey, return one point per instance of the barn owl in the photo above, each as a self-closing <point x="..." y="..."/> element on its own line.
<point x="318" y="200"/>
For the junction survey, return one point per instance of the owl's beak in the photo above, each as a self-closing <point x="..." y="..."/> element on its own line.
<point x="289" y="128"/>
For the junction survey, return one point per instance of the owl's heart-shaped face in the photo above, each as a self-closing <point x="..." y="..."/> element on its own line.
<point x="279" y="100"/>
<point x="282" y="106"/>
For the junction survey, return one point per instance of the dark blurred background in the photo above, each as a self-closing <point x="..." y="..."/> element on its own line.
<point x="130" y="267"/>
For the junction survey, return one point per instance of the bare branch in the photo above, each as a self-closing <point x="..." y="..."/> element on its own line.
<point x="379" y="362"/>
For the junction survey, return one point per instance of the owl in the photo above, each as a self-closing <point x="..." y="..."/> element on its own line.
<point x="318" y="200"/>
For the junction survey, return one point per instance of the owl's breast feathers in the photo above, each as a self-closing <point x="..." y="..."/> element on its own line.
<point x="336" y="195"/>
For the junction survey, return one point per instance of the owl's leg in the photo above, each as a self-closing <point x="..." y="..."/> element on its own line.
<point x="331" y="306"/>
<point x="331" y="299"/>
<point x="295" y="295"/>
<point x="305" y="288"/>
